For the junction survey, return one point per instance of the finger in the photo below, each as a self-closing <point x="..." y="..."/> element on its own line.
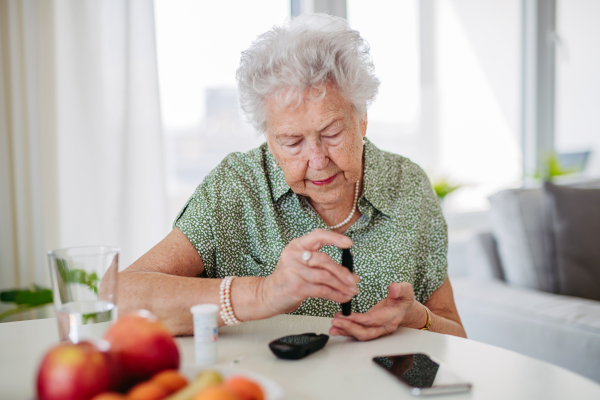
<point x="358" y="331"/>
<point x="319" y="238"/>
<point x="366" y="319"/>
<point x="320" y="276"/>
<point x="351" y="317"/>
<point x="400" y="291"/>
<point x="381" y="317"/>
<point x="335" y="331"/>
<point x="394" y="290"/>
<point x="322" y="260"/>
<point x="325" y="292"/>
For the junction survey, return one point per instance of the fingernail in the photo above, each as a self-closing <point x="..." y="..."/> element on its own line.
<point x="351" y="279"/>
<point x="336" y="323"/>
<point x="354" y="289"/>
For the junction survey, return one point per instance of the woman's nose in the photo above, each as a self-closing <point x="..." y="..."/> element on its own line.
<point x="317" y="156"/>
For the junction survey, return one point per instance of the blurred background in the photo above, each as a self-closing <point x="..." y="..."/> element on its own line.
<point x="112" y="112"/>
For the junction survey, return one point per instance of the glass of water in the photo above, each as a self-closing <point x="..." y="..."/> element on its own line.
<point x="84" y="288"/>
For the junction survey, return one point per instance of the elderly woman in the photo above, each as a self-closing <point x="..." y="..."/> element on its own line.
<point x="277" y="217"/>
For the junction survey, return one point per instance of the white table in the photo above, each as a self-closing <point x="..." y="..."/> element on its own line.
<point x="342" y="370"/>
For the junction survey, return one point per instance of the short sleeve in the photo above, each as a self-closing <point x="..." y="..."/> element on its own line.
<point x="433" y="244"/>
<point x="195" y="220"/>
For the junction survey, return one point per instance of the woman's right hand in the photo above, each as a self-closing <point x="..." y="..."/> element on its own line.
<point x="295" y="280"/>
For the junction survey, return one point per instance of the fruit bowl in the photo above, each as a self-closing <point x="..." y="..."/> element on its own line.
<point x="271" y="388"/>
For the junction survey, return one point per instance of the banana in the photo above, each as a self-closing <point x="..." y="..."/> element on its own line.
<point x="203" y="380"/>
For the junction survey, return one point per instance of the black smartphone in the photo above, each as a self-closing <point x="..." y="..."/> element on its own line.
<point x="295" y="347"/>
<point x="423" y="375"/>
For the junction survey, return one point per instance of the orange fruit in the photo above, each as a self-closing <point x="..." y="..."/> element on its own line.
<point x="110" y="396"/>
<point x="147" y="391"/>
<point x="218" y="392"/>
<point x="170" y="380"/>
<point x="245" y="388"/>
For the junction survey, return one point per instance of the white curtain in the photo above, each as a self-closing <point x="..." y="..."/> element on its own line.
<point x="81" y="159"/>
<point x="110" y="163"/>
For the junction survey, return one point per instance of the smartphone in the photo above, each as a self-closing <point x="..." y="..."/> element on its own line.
<point x="422" y="374"/>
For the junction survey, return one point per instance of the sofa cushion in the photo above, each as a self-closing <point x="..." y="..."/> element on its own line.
<point x="559" y="329"/>
<point x="575" y="217"/>
<point x="482" y="257"/>
<point x="524" y="243"/>
<point x="524" y="235"/>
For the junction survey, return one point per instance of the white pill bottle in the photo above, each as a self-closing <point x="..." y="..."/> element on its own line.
<point x="205" y="333"/>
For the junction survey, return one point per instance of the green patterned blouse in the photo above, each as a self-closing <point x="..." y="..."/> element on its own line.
<point x="244" y="214"/>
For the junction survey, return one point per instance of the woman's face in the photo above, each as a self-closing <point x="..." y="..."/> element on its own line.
<point x="318" y="145"/>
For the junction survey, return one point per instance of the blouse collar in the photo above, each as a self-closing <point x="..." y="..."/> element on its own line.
<point x="379" y="188"/>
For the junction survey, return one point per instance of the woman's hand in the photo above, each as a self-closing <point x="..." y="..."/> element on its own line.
<point x="398" y="309"/>
<point x="295" y="280"/>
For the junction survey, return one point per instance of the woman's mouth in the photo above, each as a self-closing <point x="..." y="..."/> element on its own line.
<point x="325" y="182"/>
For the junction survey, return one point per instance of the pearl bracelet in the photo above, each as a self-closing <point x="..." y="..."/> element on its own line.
<point x="227" y="314"/>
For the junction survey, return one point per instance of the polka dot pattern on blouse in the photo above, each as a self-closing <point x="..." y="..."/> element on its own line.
<point x="244" y="214"/>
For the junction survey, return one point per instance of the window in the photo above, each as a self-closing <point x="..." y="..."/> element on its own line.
<point x="199" y="45"/>
<point x="393" y="38"/>
<point x="578" y="83"/>
<point x="393" y="119"/>
<point x="474" y="107"/>
<point x="478" y="54"/>
<point x="473" y="100"/>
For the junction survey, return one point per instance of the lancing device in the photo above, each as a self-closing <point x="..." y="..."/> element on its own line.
<point x="348" y="262"/>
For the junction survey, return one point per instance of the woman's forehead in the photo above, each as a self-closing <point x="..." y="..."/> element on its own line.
<point x="311" y="112"/>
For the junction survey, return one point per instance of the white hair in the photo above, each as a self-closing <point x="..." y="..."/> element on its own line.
<point x="306" y="52"/>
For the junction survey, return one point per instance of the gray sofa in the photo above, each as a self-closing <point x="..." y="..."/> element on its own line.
<point x="510" y="297"/>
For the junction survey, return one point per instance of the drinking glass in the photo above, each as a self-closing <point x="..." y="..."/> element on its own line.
<point x="84" y="288"/>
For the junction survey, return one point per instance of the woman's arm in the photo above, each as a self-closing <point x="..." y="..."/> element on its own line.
<point x="400" y="309"/>
<point x="444" y="314"/>
<point x="165" y="281"/>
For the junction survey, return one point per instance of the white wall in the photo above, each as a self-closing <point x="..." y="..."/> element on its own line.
<point x="493" y="28"/>
<point x="578" y="79"/>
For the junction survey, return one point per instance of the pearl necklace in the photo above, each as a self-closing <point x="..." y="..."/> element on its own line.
<point x="344" y="222"/>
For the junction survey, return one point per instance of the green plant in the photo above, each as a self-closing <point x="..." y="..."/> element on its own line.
<point x="38" y="296"/>
<point x="443" y="188"/>
<point x="78" y="276"/>
<point x="25" y="299"/>
<point x="552" y="168"/>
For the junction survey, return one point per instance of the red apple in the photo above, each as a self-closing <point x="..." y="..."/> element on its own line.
<point x="141" y="347"/>
<point x="74" y="372"/>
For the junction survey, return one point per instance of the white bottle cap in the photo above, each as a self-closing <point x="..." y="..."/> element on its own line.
<point x="204" y="309"/>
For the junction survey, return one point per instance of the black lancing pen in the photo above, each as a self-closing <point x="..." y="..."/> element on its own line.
<point x="348" y="262"/>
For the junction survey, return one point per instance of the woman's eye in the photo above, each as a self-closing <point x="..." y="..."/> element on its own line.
<point x="293" y="144"/>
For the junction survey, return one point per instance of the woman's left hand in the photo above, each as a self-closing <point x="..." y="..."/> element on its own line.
<point x="398" y="309"/>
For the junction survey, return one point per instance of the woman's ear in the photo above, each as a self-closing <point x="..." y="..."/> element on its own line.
<point x="363" y="125"/>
